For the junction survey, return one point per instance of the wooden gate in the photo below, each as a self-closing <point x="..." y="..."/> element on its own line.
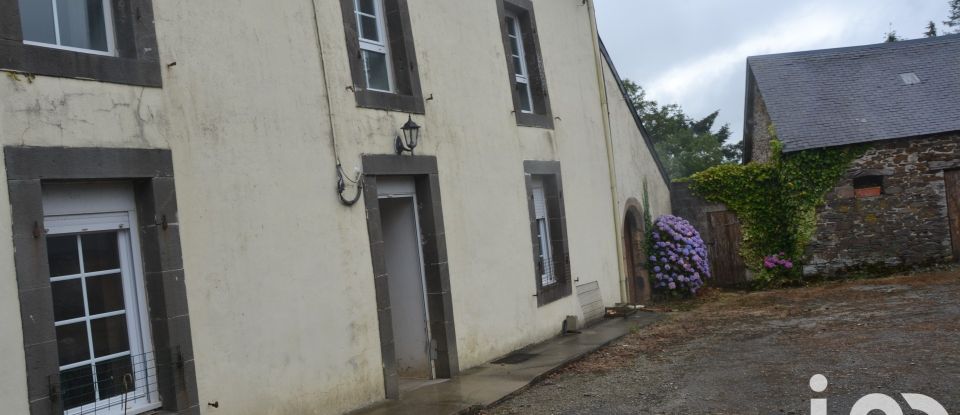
<point x="726" y="264"/>
<point x="952" y="179"/>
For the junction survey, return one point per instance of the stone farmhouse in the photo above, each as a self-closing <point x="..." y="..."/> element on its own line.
<point x="278" y="207"/>
<point x="899" y="204"/>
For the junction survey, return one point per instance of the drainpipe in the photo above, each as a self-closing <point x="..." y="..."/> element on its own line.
<point x="608" y="138"/>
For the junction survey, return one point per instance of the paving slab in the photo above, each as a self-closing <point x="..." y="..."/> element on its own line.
<point x="491" y="382"/>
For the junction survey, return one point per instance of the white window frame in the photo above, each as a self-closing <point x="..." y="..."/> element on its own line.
<point x="102" y="215"/>
<point x="381" y="46"/>
<point x="110" y="33"/>
<point x="548" y="277"/>
<point x="521" y="74"/>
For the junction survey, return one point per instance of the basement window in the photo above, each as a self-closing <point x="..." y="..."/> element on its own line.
<point x="868" y="186"/>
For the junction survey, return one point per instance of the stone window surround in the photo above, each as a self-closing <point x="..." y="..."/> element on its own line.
<point x="439" y="302"/>
<point x="543" y="117"/>
<point x="408" y="96"/>
<point x="151" y="172"/>
<point x="553" y="187"/>
<point x="137" y="63"/>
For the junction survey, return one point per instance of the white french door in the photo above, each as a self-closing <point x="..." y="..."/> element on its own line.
<point x="105" y="355"/>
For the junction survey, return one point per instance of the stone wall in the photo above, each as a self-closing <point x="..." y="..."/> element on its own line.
<point x="905" y="226"/>
<point x="759" y="125"/>
<point x="693" y="208"/>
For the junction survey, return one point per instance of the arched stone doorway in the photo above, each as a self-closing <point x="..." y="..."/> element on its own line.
<point x="638" y="284"/>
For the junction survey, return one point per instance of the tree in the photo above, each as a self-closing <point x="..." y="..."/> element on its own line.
<point x="685" y="145"/>
<point x="953" y="20"/>
<point x="931" y="30"/>
<point x="891" y="36"/>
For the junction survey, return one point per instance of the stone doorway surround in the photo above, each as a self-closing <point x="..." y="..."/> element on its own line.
<point x="439" y="303"/>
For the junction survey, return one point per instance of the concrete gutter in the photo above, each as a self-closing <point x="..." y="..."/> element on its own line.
<point x="490" y="383"/>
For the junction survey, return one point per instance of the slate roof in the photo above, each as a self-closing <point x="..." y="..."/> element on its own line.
<point x="833" y="97"/>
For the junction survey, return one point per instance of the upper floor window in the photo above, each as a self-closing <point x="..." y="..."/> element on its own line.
<point x="524" y="63"/>
<point x="383" y="63"/>
<point x="374" y="45"/>
<point x="520" y="71"/>
<point x="103" y="40"/>
<point x="76" y="25"/>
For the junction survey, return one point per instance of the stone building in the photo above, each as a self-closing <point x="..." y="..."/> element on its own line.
<point x="899" y="204"/>
<point x="177" y="197"/>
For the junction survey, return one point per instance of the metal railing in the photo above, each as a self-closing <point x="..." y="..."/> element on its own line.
<point x="116" y="384"/>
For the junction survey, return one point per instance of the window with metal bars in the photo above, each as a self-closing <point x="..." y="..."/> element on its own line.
<point x="548" y="231"/>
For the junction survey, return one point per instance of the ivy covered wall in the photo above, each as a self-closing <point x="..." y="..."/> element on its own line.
<point x="776" y="203"/>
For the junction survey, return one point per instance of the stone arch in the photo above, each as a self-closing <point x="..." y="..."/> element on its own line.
<point x="634" y="252"/>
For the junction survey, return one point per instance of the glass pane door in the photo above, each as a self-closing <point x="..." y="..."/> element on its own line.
<point x="90" y="285"/>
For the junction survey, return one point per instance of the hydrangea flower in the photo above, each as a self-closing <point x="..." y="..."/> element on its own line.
<point x="772" y="262"/>
<point x="680" y="254"/>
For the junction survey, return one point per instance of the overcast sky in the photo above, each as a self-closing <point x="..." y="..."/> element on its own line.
<point x="693" y="52"/>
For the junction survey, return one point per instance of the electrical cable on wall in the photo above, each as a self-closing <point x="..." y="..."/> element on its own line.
<point x="342" y="185"/>
<point x="342" y="178"/>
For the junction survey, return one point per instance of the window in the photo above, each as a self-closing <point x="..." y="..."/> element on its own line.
<point x="105" y="354"/>
<point x="548" y="230"/>
<point x="77" y="25"/>
<point x="96" y="239"/>
<point x="519" y="64"/>
<point x="545" y="266"/>
<point x="382" y="59"/>
<point x="374" y="45"/>
<point x="104" y="40"/>
<point x="868" y="186"/>
<point x="524" y="63"/>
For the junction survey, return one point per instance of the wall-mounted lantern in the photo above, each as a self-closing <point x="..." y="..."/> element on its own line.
<point x="411" y="135"/>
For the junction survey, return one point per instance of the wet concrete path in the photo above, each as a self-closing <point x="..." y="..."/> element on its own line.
<point x="486" y="384"/>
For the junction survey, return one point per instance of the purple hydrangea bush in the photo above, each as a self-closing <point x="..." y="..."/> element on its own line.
<point x="678" y="257"/>
<point x="777" y="260"/>
<point x="777" y="263"/>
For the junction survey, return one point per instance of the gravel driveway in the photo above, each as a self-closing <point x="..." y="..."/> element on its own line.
<point x="754" y="353"/>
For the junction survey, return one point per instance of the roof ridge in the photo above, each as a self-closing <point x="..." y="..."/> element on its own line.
<point x="868" y="47"/>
